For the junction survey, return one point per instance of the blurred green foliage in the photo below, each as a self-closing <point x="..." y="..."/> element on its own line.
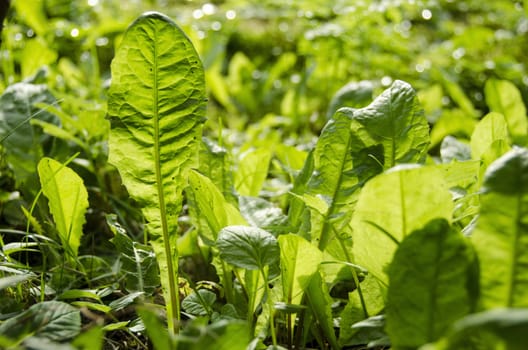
<point x="286" y="58"/>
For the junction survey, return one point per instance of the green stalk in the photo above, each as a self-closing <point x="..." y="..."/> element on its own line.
<point x="271" y="308"/>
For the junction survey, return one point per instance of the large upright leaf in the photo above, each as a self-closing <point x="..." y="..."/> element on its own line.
<point x="501" y="235"/>
<point x="433" y="282"/>
<point x="355" y="145"/>
<point x="390" y="207"/>
<point x="156" y="107"/>
<point x="504" y="97"/>
<point x="68" y="201"/>
<point x="23" y="143"/>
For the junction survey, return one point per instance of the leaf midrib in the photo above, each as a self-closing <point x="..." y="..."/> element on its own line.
<point x="161" y="196"/>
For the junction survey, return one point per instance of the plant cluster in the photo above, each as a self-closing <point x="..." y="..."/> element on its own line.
<point x="133" y="218"/>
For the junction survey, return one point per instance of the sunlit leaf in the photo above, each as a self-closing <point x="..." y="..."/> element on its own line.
<point x="299" y="262"/>
<point x="92" y="339"/>
<point x="490" y="129"/>
<point x="252" y="171"/>
<point x="504" y="97"/>
<point x="68" y="201"/>
<point x="156" y="106"/>
<point x="501" y="234"/>
<point x="155" y="329"/>
<point x="212" y="209"/>
<point x="390" y="207"/>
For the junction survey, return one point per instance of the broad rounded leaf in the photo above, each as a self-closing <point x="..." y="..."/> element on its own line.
<point x="432" y="283"/>
<point x="199" y="304"/>
<point x="247" y="247"/>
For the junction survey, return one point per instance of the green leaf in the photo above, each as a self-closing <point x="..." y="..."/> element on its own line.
<point x="10" y="281"/>
<point x="116" y="326"/>
<point x="215" y="164"/>
<point x="319" y="302"/>
<point x="504" y="97"/>
<point x="199" y="303"/>
<point x="92" y="306"/>
<point x="396" y="122"/>
<point x="156" y="331"/>
<point x="262" y="213"/>
<point x="333" y="180"/>
<point x="493" y="329"/>
<point x="453" y="149"/>
<point x="490" y="129"/>
<point x="252" y="172"/>
<point x="138" y="262"/>
<point x="375" y="299"/>
<point x="92" y="339"/>
<point x="501" y="235"/>
<point x="33" y="15"/>
<point x="247" y="247"/>
<point x="156" y="106"/>
<point x="36" y="54"/>
<point x="221" y="335"/>
<point x="125" y="301"/>
<point x="299" y="261"/>
<point x="355" y="145"/>
<point x="432" y="283"/>
<point x="390" y="207"/>
<point x="211" y="210"/>
<point x="459" y="97"/>
<point x="25" y="144"/>
<point x="452" y="122"/>
<point x="68" y="201"/>
<point x="53" y="320"/>
<point x="78" y="294"/>
<point x="354" y="95"/>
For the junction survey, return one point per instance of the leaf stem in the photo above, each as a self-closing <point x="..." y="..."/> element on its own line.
<point x="271" y="308"/>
